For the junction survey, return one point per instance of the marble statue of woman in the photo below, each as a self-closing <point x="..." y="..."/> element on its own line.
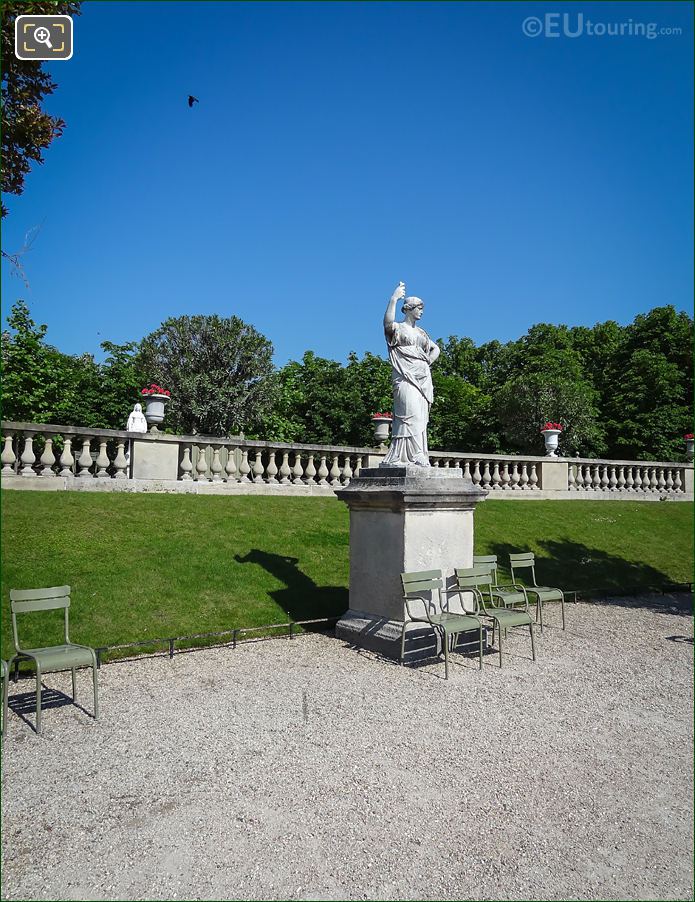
<point x="411" y="352"/>
<point x="136" y="420"/>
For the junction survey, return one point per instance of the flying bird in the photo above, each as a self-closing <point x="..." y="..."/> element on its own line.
<point x="192" y="100"/>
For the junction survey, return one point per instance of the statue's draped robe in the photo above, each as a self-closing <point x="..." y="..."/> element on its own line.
<point x="409" y="349"/>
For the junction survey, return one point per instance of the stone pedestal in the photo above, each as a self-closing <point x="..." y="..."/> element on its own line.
<point x="402" y="519"/>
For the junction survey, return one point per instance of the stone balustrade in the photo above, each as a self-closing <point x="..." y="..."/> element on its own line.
<point x="47" y="451"/>
<point x="46" y="456"/>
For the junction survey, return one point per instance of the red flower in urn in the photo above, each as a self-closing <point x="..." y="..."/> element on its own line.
<point x="154" y="389"/>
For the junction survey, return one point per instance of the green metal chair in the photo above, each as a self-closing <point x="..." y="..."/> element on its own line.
<point x="55" y="657"/>
<point x="5" y="689"/>
<point x="509" y="595"/>
<point x="436" y="613"/>
<point x="526" y="560"/>
<point x="478" y="581"/>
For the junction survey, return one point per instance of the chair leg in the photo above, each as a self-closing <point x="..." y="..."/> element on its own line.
<point x="539" y="607"/>
<point x="5" y="691"/>
<point x="499" y="630"/>
<point x="480" y="645"/>
<point x="562" y="606"/>
<point x="96" y="695"/>
<point x="403" y="644"/>
<point x="533" y="644"/>
<point x="445" y="643"/>
<point x="38" y="699"/>
<point x="74" y="686"/>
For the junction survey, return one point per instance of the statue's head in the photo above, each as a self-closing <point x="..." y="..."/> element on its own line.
<point x="137" y="408"/>
<point x="413" y="306"/>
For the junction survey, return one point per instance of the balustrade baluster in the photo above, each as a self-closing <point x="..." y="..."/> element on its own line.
<point x="476" y="473"/>
<point x="103" y="462"/>
<point x="347" y="470"/>
<point x="505" y="479"/>
<point x="67" y="461"/>
<point x="244" y="466"/>
<point x="533" y="478"/>
<point x="669" y="480"/>
<point x="335" y="471"/>
<point x="629" y="480"/>
<point x="638" y="479"/>
<point x="230" y="466"/>
<point x="28" y="457"/>
<point x="8" y="457"/>
<point x="661" y="482"/>
<point x="84" y="461"/>
<point x="649" y="475"/>
<point x="297" y="469"/>
<point x="677" y="481"/>
<point x="272" y="468"/>
<point x="120" y="461"/>
<point x="571" y="479"/>
<point x="216" y="465"/>
<point x="285" y="472"/>
<point x="523" y="476"/>
<point x="486" y="475"/>
<point x="435" y="462"/>
<point x="310" y="470"/>
<point x="258" y="468"/>
<point x="587" y="478"/>
<point x="596" y="479"/>
<point x="604" y="477"/>
<point x="467" y="469"/>
<point x="445" y="465"/>
<point x="359" y="466"/>
<point x="612" y="481"/>
<point x="515" y="476"/>
<point x="495" y="476"/>
<point x="323" y="470"/>
<point x="621" y="479"/>
<point x="185" y="466"/>
<point x="201" y="464"/>
<point x="48" y="458"/>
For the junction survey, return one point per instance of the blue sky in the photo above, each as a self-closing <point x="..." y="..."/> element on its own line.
<point x="340" y="147"/>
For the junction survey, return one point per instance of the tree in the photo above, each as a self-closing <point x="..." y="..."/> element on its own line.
<point x="219" y="372"/>
<point x="27" y="130"/>
<point x="649" y="394"/>
<point x="32" y="371"/>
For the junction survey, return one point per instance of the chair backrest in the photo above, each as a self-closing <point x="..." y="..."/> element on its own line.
<point x="477" y="580"/>
<point x="489" y="561"/>
<point x="521" y="561"/>
<point x="27" y="601"/>
<point x="414" y="584"/>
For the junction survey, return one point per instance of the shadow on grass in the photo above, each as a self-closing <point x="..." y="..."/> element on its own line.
<point x="606" y="578"/>
<point x="302" y="599"/>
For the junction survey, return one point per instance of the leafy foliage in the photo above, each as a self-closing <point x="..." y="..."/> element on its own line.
<point x="27" y="130"/>
<point x="622" y="392"/>
<point x="219" y="372"/>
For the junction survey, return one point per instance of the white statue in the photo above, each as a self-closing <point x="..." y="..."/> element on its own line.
<point x="136" y="420"/>
<point x="411" y="352"/>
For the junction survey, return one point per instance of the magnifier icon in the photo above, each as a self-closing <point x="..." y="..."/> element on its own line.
<point x="43" y="36"/>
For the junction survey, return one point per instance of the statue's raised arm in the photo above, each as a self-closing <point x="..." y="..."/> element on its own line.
<point x="390" y="315"/>
<point x="411" y="352"/>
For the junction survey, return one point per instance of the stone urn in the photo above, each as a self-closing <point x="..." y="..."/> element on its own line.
<point x="551" y="435"/>
<point x="155" y="407"/>
<point x="382" y="424"/>
<point x="689" y="445"/>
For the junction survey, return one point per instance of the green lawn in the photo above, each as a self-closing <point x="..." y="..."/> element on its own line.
<point x="142" y="565"/>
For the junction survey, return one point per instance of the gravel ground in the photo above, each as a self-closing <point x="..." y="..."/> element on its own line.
<point x="307" y="769"/>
